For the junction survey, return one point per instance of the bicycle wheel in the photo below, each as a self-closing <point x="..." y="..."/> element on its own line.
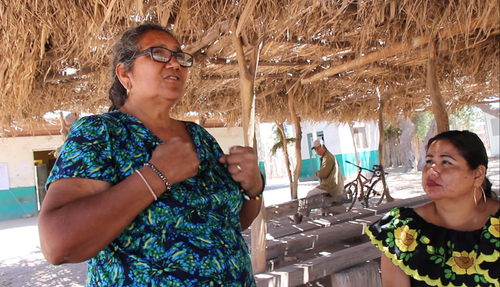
<point x="351" y="189"/>
<point x="376" y="189"/>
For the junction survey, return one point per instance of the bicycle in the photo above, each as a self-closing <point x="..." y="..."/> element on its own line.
<point x="365" y="186"/>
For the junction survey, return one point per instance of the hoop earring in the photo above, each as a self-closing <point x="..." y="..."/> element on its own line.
<point x="484" y="194"/>
<point x="475" y="200"/>
<point x="422" y="196"/>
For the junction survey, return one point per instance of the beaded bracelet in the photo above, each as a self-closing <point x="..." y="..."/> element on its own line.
<point x="159" y="174"/>
<point x="246" y="197"/>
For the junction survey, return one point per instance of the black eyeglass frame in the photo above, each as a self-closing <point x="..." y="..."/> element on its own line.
<point x="172" y="54"/>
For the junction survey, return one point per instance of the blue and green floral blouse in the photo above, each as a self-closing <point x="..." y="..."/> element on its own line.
<point x="191" y="236"/>
<point x="436" y="256"/>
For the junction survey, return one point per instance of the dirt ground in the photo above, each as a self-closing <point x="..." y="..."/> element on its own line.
<point x="22" y="263"/>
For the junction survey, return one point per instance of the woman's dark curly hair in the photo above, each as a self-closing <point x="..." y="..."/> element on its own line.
<point x="123" y="52"/>
<point x="471" y="148"/>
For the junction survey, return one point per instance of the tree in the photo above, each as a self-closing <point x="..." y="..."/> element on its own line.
<point x="466" y="118"/>
<point x="281" y="141"/>
<point x="422" y="122"/>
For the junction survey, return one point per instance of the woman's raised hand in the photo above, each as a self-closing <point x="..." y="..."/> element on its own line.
<point x="176" y="160"/>
<point x="243" y="166"/>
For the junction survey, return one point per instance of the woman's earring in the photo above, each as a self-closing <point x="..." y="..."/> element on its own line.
<point x="128" y="92"/>
<point x="484" y="194"/>
<point x="422" y="196"/>
<point x="475" y="200"/>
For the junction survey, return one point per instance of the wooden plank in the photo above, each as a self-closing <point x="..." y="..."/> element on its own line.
<point x="345" y="217"/>
<point x="316" y="268"/>
<point x="303" y="204"/>
<point x="317" y="238"/>
<point x="365" y="274"/>
<point x="282" y="210"/>
<point x="315" y="233"/>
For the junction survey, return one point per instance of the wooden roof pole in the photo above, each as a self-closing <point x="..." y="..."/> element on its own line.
<point x="210" y="37"/>
<point x="438" y="104"/>
<point x="247" y="78"/>
<point x="396" y="49"/>
<point x="372" y="57"/>
<point x="281" y="128"/>
<point x="291" y="91"/>
<point x="381" y="154"/>
<point x="298" y="140"/>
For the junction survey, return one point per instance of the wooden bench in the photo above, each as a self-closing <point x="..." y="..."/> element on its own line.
<point x="316" y="234"/>
<point x="319" y="267"/>
<point x="305" y="205"/>
<point x="325" y="231"/>
<point x="345" y="217"/>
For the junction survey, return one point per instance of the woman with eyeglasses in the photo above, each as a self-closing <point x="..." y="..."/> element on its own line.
<point x="149" y="200"/>
<point x="454" y="240"/>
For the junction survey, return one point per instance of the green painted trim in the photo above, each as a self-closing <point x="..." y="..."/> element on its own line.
<point x="308" y="170"/>
<point x="262" y="168"/>
<point x="367" y="159"/>
<point x="17" y="202"/>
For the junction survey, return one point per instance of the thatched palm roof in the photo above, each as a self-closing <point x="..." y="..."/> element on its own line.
<point x="331" y="55"/>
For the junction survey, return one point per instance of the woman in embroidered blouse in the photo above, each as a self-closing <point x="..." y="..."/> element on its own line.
<point x="453" y="240"/>
<point x="147" y="199"/>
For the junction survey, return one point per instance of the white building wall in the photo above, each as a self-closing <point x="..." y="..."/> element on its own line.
<point x="17" y="152"/>
<point x="493" y="130"/>
<point x="338" y="137"/>
<point x="346" y="142"/>
<point x="227" y="137"/>
<point x="372" y="135"/>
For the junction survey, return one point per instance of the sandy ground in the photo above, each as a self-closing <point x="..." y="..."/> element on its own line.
<point x="22" y="263"/>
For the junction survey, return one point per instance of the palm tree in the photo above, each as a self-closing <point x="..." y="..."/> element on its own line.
<point x="281" y="142"/>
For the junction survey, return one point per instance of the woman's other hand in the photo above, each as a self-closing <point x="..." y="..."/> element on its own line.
<point x="176" y="160"/>
<point x="243" y="166"/>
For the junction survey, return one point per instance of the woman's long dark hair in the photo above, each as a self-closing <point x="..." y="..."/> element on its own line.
<point x="470" y="147"/>
<point x="123" y="52"/>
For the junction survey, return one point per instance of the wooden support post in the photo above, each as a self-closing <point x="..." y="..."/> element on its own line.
<point x="281" y="128"/>
<point x="438" y="105"/>
<point x="247" y="77"/>
<point x="381" y="154"/>
<point x="298" y="139"/>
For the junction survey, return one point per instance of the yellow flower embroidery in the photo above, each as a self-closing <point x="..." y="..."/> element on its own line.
<point x="463" y="262"/>
<point x="425" y="240"/>
<point x="406" y="238"/>
<point x="494" y="228"/>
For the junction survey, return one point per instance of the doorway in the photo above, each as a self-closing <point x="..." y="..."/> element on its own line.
<point x="44" y="161"/>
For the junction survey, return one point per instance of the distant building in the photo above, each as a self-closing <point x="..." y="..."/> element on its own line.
<point x="493" y="131"/>
<point x="342" y="143"/>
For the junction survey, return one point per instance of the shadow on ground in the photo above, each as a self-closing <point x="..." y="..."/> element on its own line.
<point x="34" y="270"/>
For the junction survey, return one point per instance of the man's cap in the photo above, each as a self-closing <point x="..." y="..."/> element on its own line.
<point x="316" y="144"/>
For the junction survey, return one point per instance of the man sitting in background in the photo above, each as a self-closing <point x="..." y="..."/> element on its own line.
<point x="330" y="178"/>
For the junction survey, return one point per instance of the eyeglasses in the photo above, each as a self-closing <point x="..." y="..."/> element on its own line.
<point x="163" y="55"/>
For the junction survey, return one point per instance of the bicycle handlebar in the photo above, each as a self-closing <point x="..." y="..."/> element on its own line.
<point x="360" y="166"/>
<point x="376" y="168"/>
